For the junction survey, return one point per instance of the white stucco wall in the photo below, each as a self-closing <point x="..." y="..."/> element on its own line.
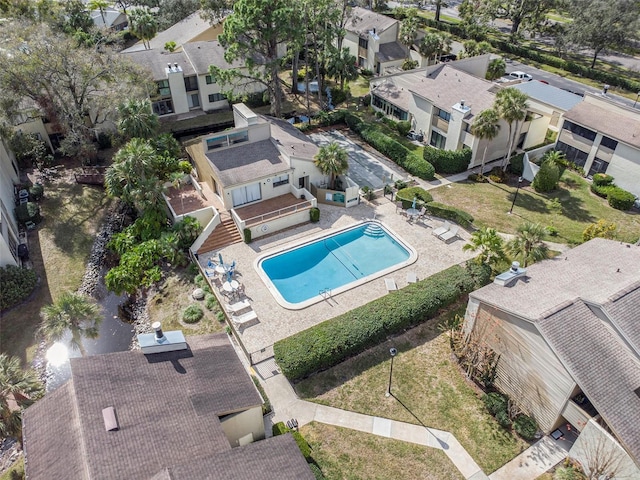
<point x="237" y="426"/>
<point x="625" y="168"/>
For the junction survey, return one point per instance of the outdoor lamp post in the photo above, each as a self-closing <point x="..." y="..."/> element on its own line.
<point x="637" y="96"/>
<point x="393" y="353"/>
<point x="515" y="196"/>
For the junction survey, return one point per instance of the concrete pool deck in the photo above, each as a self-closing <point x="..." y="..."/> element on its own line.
<point x="276" y="322"/>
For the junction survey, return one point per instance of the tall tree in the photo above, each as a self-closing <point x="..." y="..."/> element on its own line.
<point x="75" y="17"/>
<point x="18" y="389"/>
<point x="409" y="28"/>
<point x="72" y="313"/>
<point x="511" y="105"/>
<point x="101" y="6"/>
<point x="599" y="24"/>
<point x="143" y="24"/>
<point x="486" y="126"/>
<point x="332" y="160"/>
<point x="430" y="45"/>
<point x="488" y="243"/>
<point x="439" y="5"/>
<point x="253" y="34"/>
<point x="171" y="12"/>
<point x="528" y="246"/>
<point x="343" y="67"/>
<point x="136" y="119"/>
<point x="530" y="14"/>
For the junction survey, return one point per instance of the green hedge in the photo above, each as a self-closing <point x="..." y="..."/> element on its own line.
<point x="406" y="195"/>
<point x="601" y="179"/>
<point x="462" y="218"/>
<point x="448" y="161"/>
<point x="333" y="341"/>
<point x="620" y="199"/>
<point x="602" y="190"/>
<point x="280" y="429"/>
<point x="16" y="284"/>
<point x="526" y="427"/>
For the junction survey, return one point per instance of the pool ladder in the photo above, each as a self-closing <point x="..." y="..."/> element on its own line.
<point x="325" y="293"/>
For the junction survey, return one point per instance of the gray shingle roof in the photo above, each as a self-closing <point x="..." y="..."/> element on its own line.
<point x="156" y="61"/>
<point x="362" y="21"/>
<point x="292" y="141"/>
<point x="593" y="271"/>
<point x="554" y="96"/>
<point x="624" y="311"/>
<point x="606" y="372"/>
<point x="167" y="405"/>
<point x="203" y="54"/>
<point x="391" y="51"/>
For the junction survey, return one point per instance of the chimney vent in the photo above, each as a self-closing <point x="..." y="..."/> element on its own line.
<point x="506" y="278"/>
<point x="169" y="66"/>
<point x="462" y="103"/>
<point x="158" y="328"/>
<point x="161" y="341"/>
<point x="110" y="419"/>
<point x="176" y="65"/>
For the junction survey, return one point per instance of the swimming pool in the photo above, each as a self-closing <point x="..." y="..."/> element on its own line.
<point x="304" y="274"/>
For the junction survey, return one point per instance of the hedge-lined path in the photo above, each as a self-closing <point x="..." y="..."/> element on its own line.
<point x="286" y="405"/>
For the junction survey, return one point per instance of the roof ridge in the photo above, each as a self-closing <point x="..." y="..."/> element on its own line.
<point x="559" y="307"/>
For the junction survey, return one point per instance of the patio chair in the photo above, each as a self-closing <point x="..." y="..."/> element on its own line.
<point x="446" y="226"/>
<point x="399" y="206"/>
<point x="238" y="306"/>
<point x="412" y="277"/>
<point x="446" y="236"/>
<point x="390" y="283"/>
<point x="244" y="319"/>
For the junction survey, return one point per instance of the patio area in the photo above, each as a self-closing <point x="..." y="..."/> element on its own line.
<point x="188" y="199"/>
<point x="271" y="208"/>
<point x="276" y="322"/>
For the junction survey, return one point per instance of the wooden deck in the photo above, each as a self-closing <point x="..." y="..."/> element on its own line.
<point x="271" y="208"/>
<point x="187" y="199"/>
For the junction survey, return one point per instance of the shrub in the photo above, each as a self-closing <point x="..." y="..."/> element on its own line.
<point x="495" y="402"/>
<point x="314" y="215"/>
<point x="403" y="128"/>
<point x="601" y="228"/>
<point x="620" y="199"/>
<point x="525" y="426"/>
<point x="36" y="191"/>
<point x="503" y="419"/>
<point x="400" y="184"/>
<point x="366" y="100"/>
<point x="462" y="218"/>
<point x="367" y="193"/>
<point x="365" y="72"/>
<point x="476" y="177"/>
<point x="266" y="406"/>
<point x="29" y="211"/>
<point x="602" y="190"/>
<point x="192" y="314"/>
<point x="247" y="235"/>
<point x="602" y="179"/>
<point x="16" y="284"/>
<point x="552" y="231"/>
<point x="448" y="161"/>
<point x="331" y="342"/>
<point x="338" y="96"/>
<point x="516" y="164"/>
<point x="185" y="166"/>
<point x="547" y="177"/>
<point x="199" y="280"/>
<point x="406" y="195"/>
<point x="210" y="301"/>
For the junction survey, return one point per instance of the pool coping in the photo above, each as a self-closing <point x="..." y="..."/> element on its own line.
<point x="273" y="290"/>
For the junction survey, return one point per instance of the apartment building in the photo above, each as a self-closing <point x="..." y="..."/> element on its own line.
<point x="9" y="177"/>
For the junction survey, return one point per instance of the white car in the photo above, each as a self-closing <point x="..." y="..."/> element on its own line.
<point x="525" y="77"/>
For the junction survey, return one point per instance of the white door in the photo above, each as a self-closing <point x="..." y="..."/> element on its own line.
<point x="246" y="194"/>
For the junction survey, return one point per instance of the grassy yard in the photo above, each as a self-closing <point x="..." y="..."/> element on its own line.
<point x="16" y="469"/>
<point x="488" y="203"/>
<point x="345" y="454"/>
<point x="429" y="390"/>
<point x="59" y="249"/>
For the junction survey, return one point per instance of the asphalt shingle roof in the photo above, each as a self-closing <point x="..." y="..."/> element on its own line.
<point x="362" y="21"/>
<point x="624" y="312"/>
<point x="554" y="96"/>
<point x="156" y="61"/>
<point x="391" y="51"/>
<point x="604" y="369"/>
<point x="203" y="54"/>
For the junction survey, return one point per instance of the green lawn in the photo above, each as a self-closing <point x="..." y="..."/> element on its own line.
<point x="429" y="389"/>
<point x="59" y="249"/>
<point x="345" y="454"/>
<point x="488" y="203"/>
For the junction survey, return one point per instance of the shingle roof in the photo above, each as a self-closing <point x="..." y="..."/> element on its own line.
<point x="624" y="311"/>
<point x="362" y="21"/>
<point x="593" y="271"/>
<point x="391" y="51"/>
<point x="156" y="61"/>
<point x="291" y="140"/>
<point x="624" y="128"/>
<point x="606" y="372"/>
<point x="203" y="54"/>
<point x="167" y="405"/>
<point x="397" y="95"/>
<point x="554" y="96"/>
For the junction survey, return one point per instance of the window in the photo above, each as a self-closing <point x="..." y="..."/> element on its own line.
<point x="281" y="180"/>
<point x="209" y="79"/>
<point x="609" y="143"/>
<point x="163" y="88"/>
<point x="579" y="130"/>
<point x="363" y="43"/>
<point x="194" y="100"/>
<point x="389" y="108"/>
<point x="573" y="154"/>
<point x="191" y="83"/>
<point x="598" y="166"/>
<point x="216" y="142"/>
<point x="216" y="97"/>
<point x="466" y="127"/>
<point x="247" y="194"/>
<point x="239" y="137"/>
<point x="446" y="116"/>
<point x="163" y="107"/>
<point x="437" y="140"/>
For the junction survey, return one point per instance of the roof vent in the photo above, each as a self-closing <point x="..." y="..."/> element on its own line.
<point x="161" y="341"/>
<point x="462" y="103"/>
<point x="515" y="272"/>
<point x="110" y="419"/>
<point x="169" y="66"/>
<point x="175" y="65"/>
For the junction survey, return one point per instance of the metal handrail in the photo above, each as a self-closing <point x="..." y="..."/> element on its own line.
<point x="277" y="213"/>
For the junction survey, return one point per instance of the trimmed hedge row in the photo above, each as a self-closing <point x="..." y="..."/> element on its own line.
<point x="333" y="341"/>
<point x="391" y="148"/>
<point x="16" y="284"/>
<point x="617" y="197"/>
<point x="447" y="161"/>
<point x="441" y="210"/>
<point x="406" y="196"/>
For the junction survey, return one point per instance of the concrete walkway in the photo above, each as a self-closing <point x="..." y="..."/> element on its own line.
<point x="533" y="462"/>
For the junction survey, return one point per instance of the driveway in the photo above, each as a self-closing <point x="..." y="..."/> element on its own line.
<point x="365" y="168"/>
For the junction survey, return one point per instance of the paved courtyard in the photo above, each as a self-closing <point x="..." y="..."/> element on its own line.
<point x="276" y="322"/>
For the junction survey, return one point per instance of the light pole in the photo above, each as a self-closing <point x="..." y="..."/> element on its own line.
<point x="393" y="353"/>
<point x="515" y="196"/>
<point x="634" y="103"/>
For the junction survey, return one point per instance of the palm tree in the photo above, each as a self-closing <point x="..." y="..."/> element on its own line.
<point x="409" y="28"/>
<point x="100" y="5"/>
<point x="143" y="25"/>
<point x="137" y="119"/>
<point x="332" y="160"/>
<point x="18" y="389"/>
<point x="430" y="45"/>
<point x="489" y="243"/>
<point x="486" y="127"/>
<point x="439" y="4"/>
<point x="511" y="105"/>
<point x="71" y="312"/>
<point x="527" y="246"/>
<point x="343" y="66"/>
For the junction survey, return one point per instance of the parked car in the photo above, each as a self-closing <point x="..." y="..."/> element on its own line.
<point x="525" y="77"/>
<point x="412" y="135"/>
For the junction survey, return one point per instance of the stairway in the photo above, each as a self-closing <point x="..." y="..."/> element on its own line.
<point x="223" y="235"/>
<point x="374" y="230"/>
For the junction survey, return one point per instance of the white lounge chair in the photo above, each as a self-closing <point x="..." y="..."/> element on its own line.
<point x="446" y="226"/>
<point x="446" y="236"/>
<point x="242" y="320"/>
<point x="390" y="283"/>
<point x="412" y="277"/>
<point x="238" y="306"/>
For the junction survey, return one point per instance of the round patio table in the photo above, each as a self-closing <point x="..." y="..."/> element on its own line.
<point x="231" y="286"/>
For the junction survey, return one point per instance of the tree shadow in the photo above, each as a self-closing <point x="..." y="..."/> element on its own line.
<point x="442" y="443"/>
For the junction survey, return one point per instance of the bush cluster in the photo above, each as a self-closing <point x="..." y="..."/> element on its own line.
<point x="547" y="177"/>
<point x="331" y="342"/>
<point x="338" y="96"/>
<point x="406" y="195"/>
<point x="498" y="405"/>
<point x="447" y="161"/>
<point x="391" y="148"/>
<point x="602" y="179"/>
<point x="462" y="218"/>
<point x="192" y="314"/>
<point x="476" y="177"/>
<point x="525" y="426"/>
<point x="516" y="164"/>
<point x="617" y="197"/>
<point x="16" y="284"/>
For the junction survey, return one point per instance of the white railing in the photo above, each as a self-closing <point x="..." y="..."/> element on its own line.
<point x="304" y="205"/>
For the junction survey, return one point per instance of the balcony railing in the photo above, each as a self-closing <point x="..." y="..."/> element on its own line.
<point x="278" y="213"/>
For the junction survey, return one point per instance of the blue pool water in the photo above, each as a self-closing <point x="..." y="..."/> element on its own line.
<point x="331" y="263"/>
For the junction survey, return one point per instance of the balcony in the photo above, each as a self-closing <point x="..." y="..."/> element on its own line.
<point x="440" y="124"/>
